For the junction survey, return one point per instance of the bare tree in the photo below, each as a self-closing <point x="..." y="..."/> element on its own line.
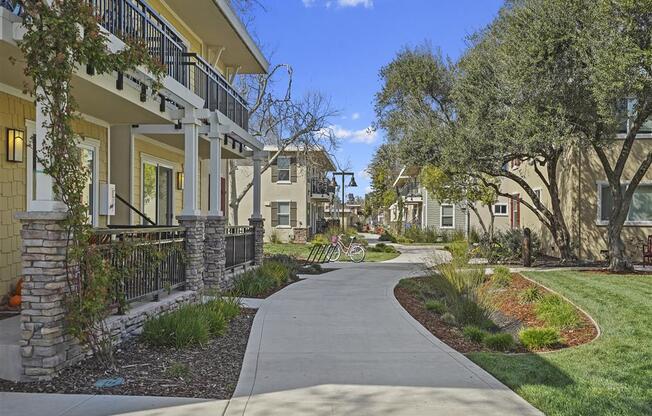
<point x="277" y="118"/>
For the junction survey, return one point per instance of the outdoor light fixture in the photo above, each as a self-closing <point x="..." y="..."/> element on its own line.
<point x="352" y="184"/>
<point x="240" y="143"/>
<point x="233" y="144"/>
<point x="333" y="182"/>
<point x="180" y="180"/>
<point x="15" y="145"/>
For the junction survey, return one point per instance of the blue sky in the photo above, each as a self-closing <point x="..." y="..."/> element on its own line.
<point x="338" y="46"/>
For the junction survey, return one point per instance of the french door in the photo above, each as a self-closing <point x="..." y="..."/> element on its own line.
<point x="157" y="193"/>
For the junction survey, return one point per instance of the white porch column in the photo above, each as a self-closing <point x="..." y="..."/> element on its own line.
<point x="191" y="166"/>
<point x="257" y="161"/>
<point x="44" y="200"/>
<point x="216" y="175"/>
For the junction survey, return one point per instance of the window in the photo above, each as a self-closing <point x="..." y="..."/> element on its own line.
<point x="447" y="214"/>
<point x="283" y="214"/>
<point x="500" y="209"/>
<point x="515" y="218"/>
<point x="627" y="110"/>
<point x="283" y="166"/>
<point x="640" y="211"/>
<point x="88" y="158"/>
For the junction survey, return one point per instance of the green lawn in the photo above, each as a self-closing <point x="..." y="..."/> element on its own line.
<point x="301" y="251"/>
<point x="610" y="376"/>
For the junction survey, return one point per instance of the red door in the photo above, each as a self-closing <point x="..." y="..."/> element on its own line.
<point x="515" y="211"/>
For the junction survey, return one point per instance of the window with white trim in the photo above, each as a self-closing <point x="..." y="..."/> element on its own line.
<point x="627" y="109"/>
<point x="447" y="216"/>
<point x="501" y="209"/>
<point x="640" y="210"/>
<point x="283" y="166"/>
<point x="283" y="214"/>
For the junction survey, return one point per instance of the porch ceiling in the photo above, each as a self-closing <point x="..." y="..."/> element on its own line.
<point x="177" y="141"/>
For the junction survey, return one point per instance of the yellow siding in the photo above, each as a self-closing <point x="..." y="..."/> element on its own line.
<point x="13" y="113"/>
<point x="163" y="9"/>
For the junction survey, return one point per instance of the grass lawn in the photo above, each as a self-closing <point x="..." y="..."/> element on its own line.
<point x="610" y="376"/>
<point x="301" y="251"/>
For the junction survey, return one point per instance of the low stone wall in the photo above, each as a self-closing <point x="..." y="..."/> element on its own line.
<point x="131" y="324"/>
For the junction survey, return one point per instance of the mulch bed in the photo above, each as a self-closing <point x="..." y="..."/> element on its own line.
<point x="450" y="335"/>
<point x="509" y="308"/>
<point x="212" y="370"/>
<point x="508" y="302"/>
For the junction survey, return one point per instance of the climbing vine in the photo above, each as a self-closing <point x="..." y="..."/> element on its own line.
<point x="63" y="37"/>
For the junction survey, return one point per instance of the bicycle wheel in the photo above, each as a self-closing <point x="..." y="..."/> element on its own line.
<point x="335" y="254"/>
<point x="357" y="253"/>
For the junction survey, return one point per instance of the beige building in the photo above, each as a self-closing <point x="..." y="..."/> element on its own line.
<point x="294" y="190"/>
<point x="585" y="201"/>
<point x="151" y="156"/>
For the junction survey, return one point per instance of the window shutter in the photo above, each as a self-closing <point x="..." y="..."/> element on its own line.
<point x="293" y="170"/>
<point x="293" y="214"/>
<point x="274" y="214"/>
<point x="274" y="171"/>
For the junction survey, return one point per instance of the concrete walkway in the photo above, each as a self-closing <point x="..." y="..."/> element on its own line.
<point x="340" y="344"/>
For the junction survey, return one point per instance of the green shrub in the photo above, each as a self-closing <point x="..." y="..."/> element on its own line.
<point x="404" y="240"/>
<point x="460" y="288"/>
<point x="459" y="249"/>
<point x="190" y="324"/>
<point x="386" y="236"/>
<point x="502" y="277"/>
<point x="499" y="342"/>
<point x="536" y="338"/>
<point x="449" y="318"/>
<point x="507" y="246"/>
<point x="556" y="312"/>
<point x="436" y="306"/>
<point x="530" y="295"/>
<point x="274" y="238"/>
<point x="410" y="285"/>
<point x="474" y="333"/>
<point x="251" y="284"/>
<point x="474" y="236"/>
<point x="319" y="239"/>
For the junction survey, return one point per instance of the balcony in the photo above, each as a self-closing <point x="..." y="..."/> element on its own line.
<point x="411" y="193"/>
<point x="321" y="189"/>
<point x="217" y="93"/>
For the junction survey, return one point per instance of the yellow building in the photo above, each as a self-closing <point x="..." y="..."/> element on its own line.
<point x="152" y="156"/>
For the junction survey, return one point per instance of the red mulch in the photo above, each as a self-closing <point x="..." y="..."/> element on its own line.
<point x="508" y="302"/>
<point x="450" y="335"/>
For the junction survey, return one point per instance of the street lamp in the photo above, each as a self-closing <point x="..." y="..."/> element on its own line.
<point x="352" y="184"/>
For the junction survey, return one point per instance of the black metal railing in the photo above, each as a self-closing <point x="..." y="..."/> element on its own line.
<point x="321" y="186"/>
<point x="13" y="6"/>
<point x="217" y="93"/>
<point x="240" y="246"/>
<point x="410" y="189"/>
<point x="136" y="20"/>
<point x="150" y="261"/>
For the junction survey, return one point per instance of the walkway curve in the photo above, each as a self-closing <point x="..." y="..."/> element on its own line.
<point x="340" y="344"/>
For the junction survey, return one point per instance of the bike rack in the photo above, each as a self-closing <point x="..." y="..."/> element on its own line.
<point x="320" y="253"/>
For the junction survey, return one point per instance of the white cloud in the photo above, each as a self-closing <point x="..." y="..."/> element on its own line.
<point x="367" y="4"/>
<point x="363" y="174"/>
<point x="308" y="3"/>
<point x="367" y="135"/>
<point x="368" y="190"/>
<point x="355" y="116"/>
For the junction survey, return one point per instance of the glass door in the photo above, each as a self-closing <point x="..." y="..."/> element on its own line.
<point x="157" y="193"/>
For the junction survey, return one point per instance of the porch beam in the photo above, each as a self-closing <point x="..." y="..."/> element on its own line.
<point x="146" y="129"/>
<point x="215" y="135"/>
<point x="257" y="162"/>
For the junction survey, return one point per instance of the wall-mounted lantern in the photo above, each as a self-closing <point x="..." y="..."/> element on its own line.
<point x="15" y="145"/>
<point x="180" y="180"/>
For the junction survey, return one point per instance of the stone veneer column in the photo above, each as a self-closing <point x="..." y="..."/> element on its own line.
<point x="45" y="348"/>
<point x="215" y="252"/>
<point x="259" y="238"/>
<point x="194" y="226"/>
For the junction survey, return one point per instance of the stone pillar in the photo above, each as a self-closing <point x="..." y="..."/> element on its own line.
<point x="259" y="238"/>
<point x="215" y="253"/>
<point x="194" y="227"/>
<point x="45" y="348"/>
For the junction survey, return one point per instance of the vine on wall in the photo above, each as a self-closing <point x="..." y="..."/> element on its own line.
<point x="61" y="37"/>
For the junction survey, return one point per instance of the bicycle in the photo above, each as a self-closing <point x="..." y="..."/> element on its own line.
<point x="355" y="251"/>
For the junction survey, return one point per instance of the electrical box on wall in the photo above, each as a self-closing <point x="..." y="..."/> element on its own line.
<point x="107" y="199"/>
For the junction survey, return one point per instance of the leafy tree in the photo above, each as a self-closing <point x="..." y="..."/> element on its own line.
<point x="383" y="169"/>
<point x="458" y="188"/>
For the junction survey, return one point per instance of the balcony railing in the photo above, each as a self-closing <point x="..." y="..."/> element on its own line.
<point x="410" y="189"/>
<point x="136" y="20"/>
<point x="13" y="6"/>
<point x="149" y="260"/>
<point x="321" y="186"/>
<point x="217" y="93"/>
<point x="240" y="247"/>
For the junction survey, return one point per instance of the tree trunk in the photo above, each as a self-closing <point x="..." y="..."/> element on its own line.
<point x="234" y="201"/>
<point x="618" y="261"/>
<point x="492" y="220"/>
<point x="477" y="214"/>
